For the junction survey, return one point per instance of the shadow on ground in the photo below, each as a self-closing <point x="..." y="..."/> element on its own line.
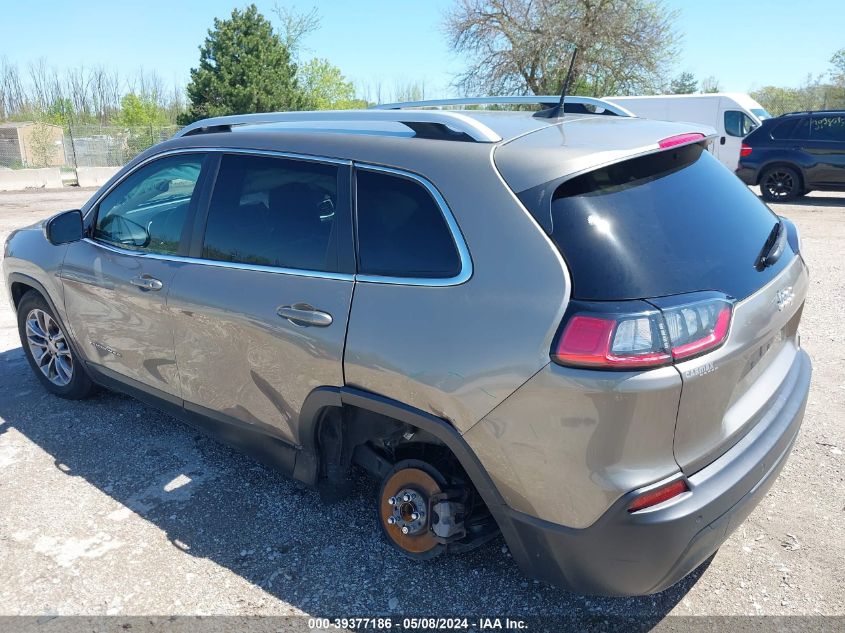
<point x="810" y="201"/>
<point x="323" y="559"/>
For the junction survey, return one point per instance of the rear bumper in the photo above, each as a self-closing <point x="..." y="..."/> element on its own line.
<point x="748" y="175"/>
<point x="646" y="552"/>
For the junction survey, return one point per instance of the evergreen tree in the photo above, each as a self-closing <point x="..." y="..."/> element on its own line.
<point x="683" y="84"/>
<point x="244" y="67"/>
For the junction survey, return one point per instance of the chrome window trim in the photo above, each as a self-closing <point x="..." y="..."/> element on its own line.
<point x="222" y="264"/>
<point x="457" y="236"/>
<point x="319" y="274"/>
<point x="465" y="272"/>
<point x="215" y="150"/>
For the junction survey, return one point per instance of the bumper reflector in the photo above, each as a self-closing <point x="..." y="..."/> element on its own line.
<point x="658" y="495"/>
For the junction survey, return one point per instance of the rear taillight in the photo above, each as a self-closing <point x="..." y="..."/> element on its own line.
<point x="697" y="327"/>
<point x="681" y="139"/>
<point x="637" y="335"/>
<point x="658" y="495"/>
<point x="612" y="341"/>
<point x="745" y="150"/>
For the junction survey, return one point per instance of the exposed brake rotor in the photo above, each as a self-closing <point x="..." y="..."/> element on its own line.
<point x="404" y="510"/>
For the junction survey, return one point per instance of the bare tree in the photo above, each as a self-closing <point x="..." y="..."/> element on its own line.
<point x="100" y="93"/>
<point x="710" y="84"/>
<point x="12" y="96"/>
<point x="295" y="27"/>
<point x="46" y="86"/>
<point x="113" y="92"/>
<point x="370" y="91"/>
<point x="78" y="88"/>
<point x="148" y="85"/>
<point x="409" y="91"/>
<point x="519" y="46"/>
<point x="176" y="101"/>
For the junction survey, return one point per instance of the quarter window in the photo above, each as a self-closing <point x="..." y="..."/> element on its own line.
<point x="784" y="130"/>
<point x="738" y="123"/>
<point x="401" y="229"/>
<point x="273" y="212"/>
<point x="147" y="210"/>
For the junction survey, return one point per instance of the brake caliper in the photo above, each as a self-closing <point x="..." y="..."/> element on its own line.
<point x="447" y="515"/>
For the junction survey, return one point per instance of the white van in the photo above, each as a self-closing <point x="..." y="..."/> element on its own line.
<point x="733" y="114"/>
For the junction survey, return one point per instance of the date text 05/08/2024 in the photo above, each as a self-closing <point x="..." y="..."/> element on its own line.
<point x="421" y="623"/>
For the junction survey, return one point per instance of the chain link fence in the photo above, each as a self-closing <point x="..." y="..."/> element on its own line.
<point x="110" y="146"/>
<point x="30" y="144"/>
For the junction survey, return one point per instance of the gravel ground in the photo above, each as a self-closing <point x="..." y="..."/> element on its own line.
<point x="110" y="507"/>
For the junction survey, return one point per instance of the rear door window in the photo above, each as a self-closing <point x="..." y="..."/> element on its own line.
<point x="828" y="128"/>
<point x="401" y="230"/>
<point x="273" y="212"/>
<point x="663" y="224"/>
<point x="801" y="132"/>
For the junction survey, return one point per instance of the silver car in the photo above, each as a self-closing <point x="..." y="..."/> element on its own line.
<point x="580" y="332"/>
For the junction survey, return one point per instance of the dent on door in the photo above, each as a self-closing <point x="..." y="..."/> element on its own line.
<point x="117" y="324"/>
<point x="251" y="345"/>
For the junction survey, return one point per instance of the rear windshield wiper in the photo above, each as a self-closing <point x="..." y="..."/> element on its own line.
<point x="773" y="248"/>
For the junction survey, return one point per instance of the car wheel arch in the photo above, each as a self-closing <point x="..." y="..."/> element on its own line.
<point x="323" y="398"/>
<point x="784" y="164"/>
<point x="20" y="284"/>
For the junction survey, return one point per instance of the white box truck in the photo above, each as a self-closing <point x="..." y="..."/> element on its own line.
<point x="733" y="114"/>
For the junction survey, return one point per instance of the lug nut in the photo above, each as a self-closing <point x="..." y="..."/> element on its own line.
<point x="391" y="520"/>
<point x="415" y="516"/>
<point x="406" y="497"/>
<point x="392" y="501"/>
<point x="405" y="529"/>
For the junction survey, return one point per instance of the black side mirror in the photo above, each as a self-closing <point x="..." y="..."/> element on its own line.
<point x="64" y="227"/>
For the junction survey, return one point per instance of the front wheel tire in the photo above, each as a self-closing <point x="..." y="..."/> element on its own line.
<point x="48" y="351"/>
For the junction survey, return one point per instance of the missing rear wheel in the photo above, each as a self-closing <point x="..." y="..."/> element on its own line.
<point x="404" y="508"/>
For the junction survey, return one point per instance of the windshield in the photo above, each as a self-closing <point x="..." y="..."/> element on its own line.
<point x="667" y="223"/>
<point x="761" y="114"/>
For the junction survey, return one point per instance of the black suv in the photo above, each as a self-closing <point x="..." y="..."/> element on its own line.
<point x="794" y="154"/>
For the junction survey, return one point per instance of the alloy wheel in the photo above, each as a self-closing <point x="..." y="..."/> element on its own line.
<point x="48" y="347"/>
<point x="780" y="184"/>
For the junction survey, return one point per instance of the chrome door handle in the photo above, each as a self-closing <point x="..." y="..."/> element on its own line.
<point x="305" y="314"/>
<point x="146" y="282"/>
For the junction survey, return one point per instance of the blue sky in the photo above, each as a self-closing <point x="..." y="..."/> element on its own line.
<point x="744" y="43"/>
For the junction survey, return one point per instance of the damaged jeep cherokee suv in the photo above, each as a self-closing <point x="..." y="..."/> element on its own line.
<point x="580" y="332"/>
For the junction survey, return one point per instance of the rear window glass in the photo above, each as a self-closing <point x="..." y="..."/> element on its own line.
<point x="668" y="223"/>
<point x="828" y="128"/>
<point x="401" y="230"/>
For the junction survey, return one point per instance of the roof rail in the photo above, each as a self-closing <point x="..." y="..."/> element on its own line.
<point x="828" y="111"/>
<point x="430" y="124"/>
<point x="543" y="100"/>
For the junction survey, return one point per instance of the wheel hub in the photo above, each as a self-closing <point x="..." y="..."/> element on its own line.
<point x="409" y="512"/>
<point x="404" y="513"/>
